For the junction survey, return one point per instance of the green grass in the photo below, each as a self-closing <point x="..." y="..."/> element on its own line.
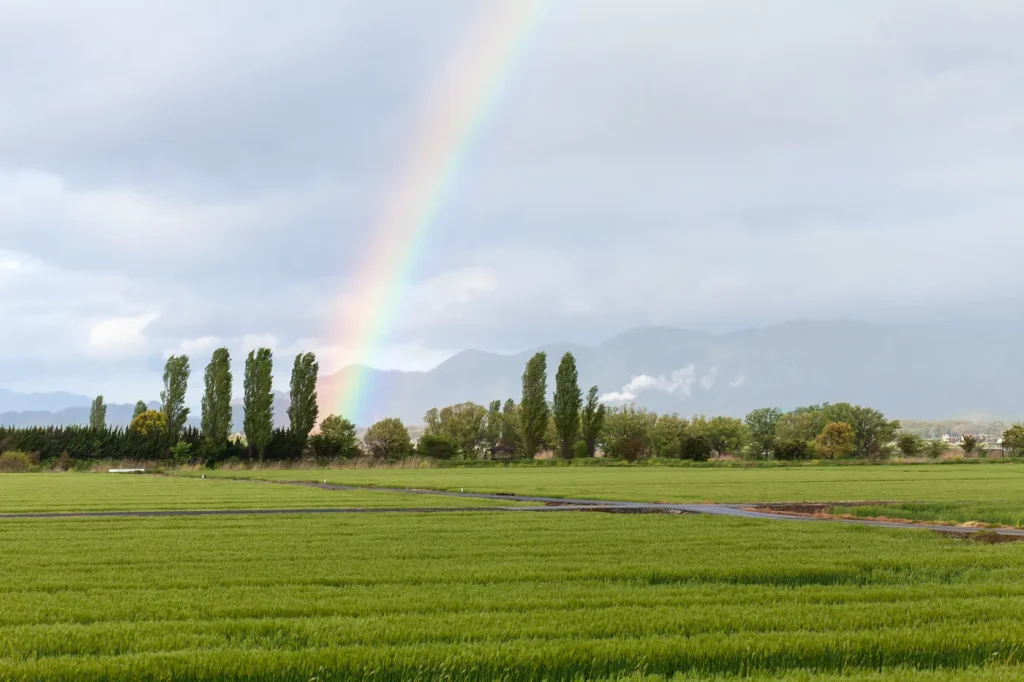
<point x="981" y="482"/>
<point x="486" y="596"/>
<point x="1002" y="513"/>
<point x="129" y="492"/>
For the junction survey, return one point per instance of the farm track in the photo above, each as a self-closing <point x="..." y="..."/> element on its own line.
<point x="543" y="504"/>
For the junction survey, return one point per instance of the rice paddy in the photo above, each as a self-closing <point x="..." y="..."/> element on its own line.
<point x="945" y="482"/>
<point x="469" y="596"/>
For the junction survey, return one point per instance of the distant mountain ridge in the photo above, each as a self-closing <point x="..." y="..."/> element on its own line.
<point x="935" y="371"/>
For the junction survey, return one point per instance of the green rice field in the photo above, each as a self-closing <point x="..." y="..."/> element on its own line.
<point x="69" y="492"/>
<point x="1001" y="513"/>
<point x="944" y="482"/>
<point x="489" y="595"/>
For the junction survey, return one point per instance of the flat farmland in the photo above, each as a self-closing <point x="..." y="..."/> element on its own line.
<point x="945" y="482"/>
<point x="501" y="596"/>
<point x="71" y="492"/>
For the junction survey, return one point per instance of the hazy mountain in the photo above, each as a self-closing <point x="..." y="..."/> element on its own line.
<point x="933" y="371"/>
<point x="911" y="371"/>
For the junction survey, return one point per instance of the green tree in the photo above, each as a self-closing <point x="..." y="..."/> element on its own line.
<point x="1013" y="440"/>
<point x="493" y="424"/>
<point x="435" y="447"/>
<point x="150" y="421"/>
<point x="726" y="435"/>
<point x="968" y="443"/>
<point x="388" y="439"/>
<point x="566" y="405"/>
<point x="98" y="414"/>
<point x="510" y="425"/>
<point x="935" y="449"/>
<point x="140" y="407"/>
<point x="762" y="424"/>
<point x="910" y="444"/>
<point x="696" y="447"/>
<point x="592" y="421"/>
<point x="216" y="405"/>
<point x="258" y="401"/>
<point x="836" y="441"/>
<point x="337" y="438"/>
<point x="627" y="432"/>
<point x="798" y="426"/>
<point x="172" y="398"/>
<point x="874" y="431"/>
<point x="533" y="408"/>
<point x="303" y="409"/>
<point x="667" y="436"/>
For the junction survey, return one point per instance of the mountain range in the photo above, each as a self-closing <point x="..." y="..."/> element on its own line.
<point x="908" y="371"/>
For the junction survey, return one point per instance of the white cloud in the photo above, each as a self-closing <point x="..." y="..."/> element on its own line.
<point x="190" y="347"/>
<point x="680" y="381"/>
<point x="119" y="336"/>
<point x="707" y="382"/>
<point x="738" y="381"/>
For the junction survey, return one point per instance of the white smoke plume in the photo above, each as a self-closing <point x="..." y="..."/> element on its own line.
<point x="680" y="381"/>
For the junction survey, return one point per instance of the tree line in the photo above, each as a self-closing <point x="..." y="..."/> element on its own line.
<point x="571" y="425"/>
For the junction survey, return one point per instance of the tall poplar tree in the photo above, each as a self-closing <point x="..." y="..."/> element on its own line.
<point x="533" y="408"/>
<point x="493" y="430"/>
<point x="176" y="374"/>
<point x="592" y="421"/>
<point x="303" y="410"/>
<point x="259" y="400"/>
<point x="217" y="399"/>
<point x="140" y="407"/>
<point x="98" y="414"/>
<point x="510" y="425"/>
<point x="566" y="405"/>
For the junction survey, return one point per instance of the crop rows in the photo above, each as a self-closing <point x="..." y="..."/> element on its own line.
<point x="470" y="596"/>
<point x="1006" y="513"/>
<point x="963" y="482"/>
<point x="112" y="492"/>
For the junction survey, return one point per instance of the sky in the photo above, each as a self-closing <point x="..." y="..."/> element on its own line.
<point x="177" y="176"/>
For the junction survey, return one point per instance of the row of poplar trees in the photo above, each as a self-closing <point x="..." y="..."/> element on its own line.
<point x="576" y="420"/>
<point x="217" y="412"/>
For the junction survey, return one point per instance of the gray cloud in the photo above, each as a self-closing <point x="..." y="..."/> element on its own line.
<point x="217" y="170"/>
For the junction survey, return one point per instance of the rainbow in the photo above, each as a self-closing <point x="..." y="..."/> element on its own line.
<point x="473" y="82"/>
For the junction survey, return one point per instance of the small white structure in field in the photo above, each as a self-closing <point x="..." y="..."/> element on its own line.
<point x="127" y="471"/>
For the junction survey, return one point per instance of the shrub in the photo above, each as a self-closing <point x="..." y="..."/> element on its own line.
<point x="910" y="444"/>
<point x="64" y="463"/>
<point x="14" y="462"/>
<point x="435" y="447"/>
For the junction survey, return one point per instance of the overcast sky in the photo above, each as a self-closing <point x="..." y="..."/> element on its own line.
<point x="185" y="174"/>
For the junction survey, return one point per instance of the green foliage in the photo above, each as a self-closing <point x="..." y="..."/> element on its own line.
<point x="435" y="447"/>
<point x="259" y="400"/>
<point x="388" y="439"/>
<point x="762" y="425"/>
<point x="172" y="398"/>
<point x="910" y="444"/>
<point x="969" y="443"/>
<point x="337" y="438"/>
<point x="1013" y="440"/>
<point x="566" y="405"/>
<point x="592" y="421"/>
<point x="874" y="432"/>
<point x="725" y="435"/>
<point x="627" y="432"/>
<point x="836" y="441"/>
<point x="934" y="448"/>
<point x="140" y="407"/>
<point x="792" y="449"/>
<point x="14" y="462"/>
<point x="181" y="453"/>
<point x="533" y="408"/>
<point x="464" y="425"/>
<point x="510" y="425"/>
<point x="696" y="447"/>
<point x="98" y="414"/>
<point x="667" y="436"/>
<point x="493" y="431"/>
<point x="216" y="406"/>
<point x="303" y="410"/>
<point x="149" y="422"/>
